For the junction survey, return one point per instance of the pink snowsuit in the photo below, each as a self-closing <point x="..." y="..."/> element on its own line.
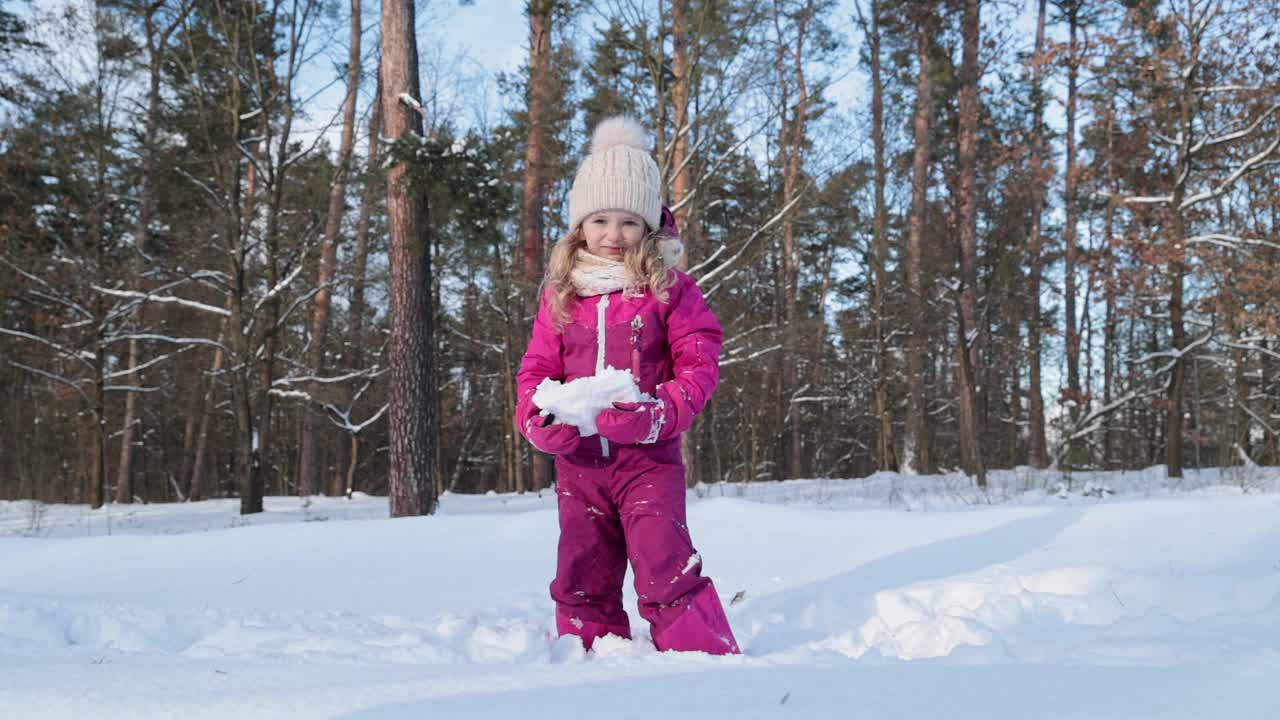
<point x="628" y="502"/>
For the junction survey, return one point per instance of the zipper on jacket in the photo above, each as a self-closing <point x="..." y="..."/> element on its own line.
<point x="637" y="326"/>
<point x="600" y="342"/>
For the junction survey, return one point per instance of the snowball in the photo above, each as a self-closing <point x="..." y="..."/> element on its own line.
<point x="577" y="402"/>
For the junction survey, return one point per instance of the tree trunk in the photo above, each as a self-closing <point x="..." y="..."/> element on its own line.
<point x="915" y="457"/>
<point x="1037" y="446"/>
<point x="1175" y="391"/>
<point x="124" y="471"/>
<point x="1132" y="411"/>
<point x="308" y="473"/>
<point x="1239" y="425"/>
<point x="1271" y="387"/>
<point x="792" y="145"/>
<point x="98" y="463"/>
<point x="1075" y="394"/>
<point x="534" y="196"/>
<point x="252" y="497"/>
<point x="157" y="42"/>
<point x="681" y="86"/>
<point x="512" y="440"/>
<point x="97" y="220"/>
<point x="682" y="181"/>
<point x="437" y="320"/>
<point x="969" y="333"/>
<point x="885" y="454"/>
<point x="512" y="477"/>
<point x="353" y="460"/>
<point x="360" y="272"/>
<point x="1110" y="332"/>
<point x="239" y="219"/>
<point x="412" y="426"/>
<point x="238" y="345"/>
<point x="191" y="426"/>
<point x="195" y="490"/>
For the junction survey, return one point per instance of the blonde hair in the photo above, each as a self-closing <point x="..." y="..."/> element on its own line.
<point x="643" y="261"/>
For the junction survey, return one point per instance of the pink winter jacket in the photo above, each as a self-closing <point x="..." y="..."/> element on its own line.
<point x="673" y="348"/>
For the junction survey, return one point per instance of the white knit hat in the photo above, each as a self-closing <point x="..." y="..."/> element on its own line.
<point x="618" y="174"/>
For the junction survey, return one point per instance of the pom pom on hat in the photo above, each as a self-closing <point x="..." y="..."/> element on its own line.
<point x="671" y="249"/>
<point x="615" y="131"/>
<point x="619" y="174"/>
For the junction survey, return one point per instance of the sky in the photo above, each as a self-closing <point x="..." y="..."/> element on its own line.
<point x="488" y="37"/>
<point x="464" y="46"/>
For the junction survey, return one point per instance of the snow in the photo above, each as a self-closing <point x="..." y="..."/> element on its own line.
<point x="694" y="561"/>
<point x="892" y="596"/>
<point x="579" y="401"/>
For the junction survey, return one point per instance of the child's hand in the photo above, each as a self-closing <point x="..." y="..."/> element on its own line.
<point x="551" y="439"/>
<point x="628" y="423"/>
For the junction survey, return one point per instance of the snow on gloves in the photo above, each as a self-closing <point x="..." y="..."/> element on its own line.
<point x="551" y="439"/>
<point x="632" y="423"/>
<point x="578" y="402"/>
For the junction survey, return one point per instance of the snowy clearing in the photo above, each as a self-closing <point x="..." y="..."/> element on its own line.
<point x="1121" y="597"/>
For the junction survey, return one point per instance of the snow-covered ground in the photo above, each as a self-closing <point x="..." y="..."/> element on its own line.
<point x="1117" y="595"/>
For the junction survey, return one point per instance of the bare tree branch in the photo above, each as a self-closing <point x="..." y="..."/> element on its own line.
<point x="148" y="297"/>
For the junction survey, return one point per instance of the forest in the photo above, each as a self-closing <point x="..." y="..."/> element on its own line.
<point x="940" y="235"/>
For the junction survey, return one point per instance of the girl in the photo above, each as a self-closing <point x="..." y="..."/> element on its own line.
<point x="612" y="298"/>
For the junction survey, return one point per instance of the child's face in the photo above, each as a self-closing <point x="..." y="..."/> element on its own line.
<point x="610" y="232"/>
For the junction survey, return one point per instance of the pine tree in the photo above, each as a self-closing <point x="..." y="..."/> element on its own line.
<point x="414" y="442"/>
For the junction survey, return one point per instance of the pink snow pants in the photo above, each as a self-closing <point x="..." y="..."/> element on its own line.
<point x="631" y="506"/>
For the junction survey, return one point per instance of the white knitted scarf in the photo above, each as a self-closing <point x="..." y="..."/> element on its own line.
<point x="594" y="275"/>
